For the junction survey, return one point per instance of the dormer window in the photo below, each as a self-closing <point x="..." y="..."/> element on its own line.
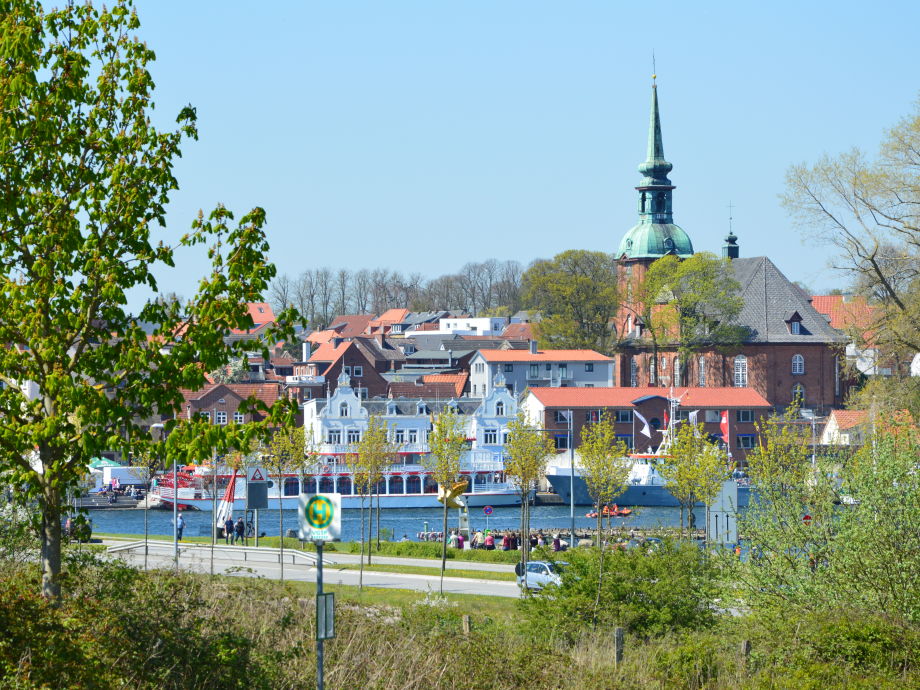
<point x="795" y="327"/>
<point x="422" y="408"/>
<point x="391" y="408"/>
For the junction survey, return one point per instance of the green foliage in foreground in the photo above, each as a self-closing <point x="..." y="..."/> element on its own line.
<point x="118" y="627"/>
<point x="648" y="592"/>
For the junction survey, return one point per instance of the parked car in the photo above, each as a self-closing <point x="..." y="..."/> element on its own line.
<point x="539" y="574"/>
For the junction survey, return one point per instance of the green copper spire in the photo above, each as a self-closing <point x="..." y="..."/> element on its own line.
<point x="656" y="234"/>
<point x="655" y="168"/>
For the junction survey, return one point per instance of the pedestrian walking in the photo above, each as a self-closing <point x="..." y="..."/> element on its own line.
<point x="180" y="526"/>
<point x="240" y="529"/>
<point x="228" y="530"/>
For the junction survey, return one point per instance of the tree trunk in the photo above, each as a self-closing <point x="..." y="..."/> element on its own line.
<point x="600" y="580"/>
<point x="598" y="537"/>
<point x="361" y="560"/>
<point x="51" y="545"/>
<point x="444" y="548"/>
<point x="370" y="524"/>
<point x="681" y="535"/>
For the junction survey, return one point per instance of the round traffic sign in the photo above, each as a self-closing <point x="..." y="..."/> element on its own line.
<point x="807" y="520"/>
<point x="487" y="510"/>
<point x="319" y="512"/>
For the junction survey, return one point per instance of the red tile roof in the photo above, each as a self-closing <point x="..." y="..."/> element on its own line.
<point x="390" y="316"/>
<point x="350" y="325"/>
<point x="261" y="314"/>
<point x="847" y="419"/>
<point x="329" y="352"/>
<point x="266" y="392"/>
<point x="518" y="331"/>
<point x="850" y="313"/>
<point x="458" y="381"/>
<point x="623" y="397"/>
<point x="544" y="356"/>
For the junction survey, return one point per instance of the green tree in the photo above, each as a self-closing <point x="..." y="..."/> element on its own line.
<point x="286" y="451"/>
<point x="837" y="535"/>
<point x="605" y="467"/>
<point x="375" y="452"/>
<point x="689" y="304"/>
<point x="605" y="463"/>
<point x="576" y="295"/>
<point x="694" y="470"/>
<point x="446" y="444"/>
<point x="866" y="207"/>
<point x="526" y="451"/>
<point x="84" y="183"/>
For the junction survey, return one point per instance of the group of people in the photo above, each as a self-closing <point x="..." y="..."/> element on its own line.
<point x="235" y="531"/>
<point x="490" y="541"/>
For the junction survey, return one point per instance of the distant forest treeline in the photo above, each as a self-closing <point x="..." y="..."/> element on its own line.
<point x="320" y="294"/>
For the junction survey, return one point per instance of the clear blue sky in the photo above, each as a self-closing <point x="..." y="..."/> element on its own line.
<point x="422" y="135"/>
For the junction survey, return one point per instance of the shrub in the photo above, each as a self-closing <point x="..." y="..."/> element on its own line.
<point x="646" y="592"/>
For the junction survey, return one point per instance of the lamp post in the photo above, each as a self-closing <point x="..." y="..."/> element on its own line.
<point x="175" y="486"/>
<point x="571" y="480"/>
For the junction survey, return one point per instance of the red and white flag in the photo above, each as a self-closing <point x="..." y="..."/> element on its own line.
<point x="723" y="426"/>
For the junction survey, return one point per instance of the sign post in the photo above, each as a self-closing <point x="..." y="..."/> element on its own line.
<point x="321" y="521"/>
<point x="257" y="493"/>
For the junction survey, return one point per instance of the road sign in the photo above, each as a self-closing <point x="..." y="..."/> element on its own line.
<point x="320" y="516"/>
<point x="256" y="474"/>
<point x="487" y="510"/>
<point x="807" y="520"/>
<point x="325" y="616"/>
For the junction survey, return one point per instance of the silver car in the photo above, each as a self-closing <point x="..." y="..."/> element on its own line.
<point x="539" y="574"/>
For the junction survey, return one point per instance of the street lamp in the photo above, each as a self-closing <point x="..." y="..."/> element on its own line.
<point x="160" y="437"/>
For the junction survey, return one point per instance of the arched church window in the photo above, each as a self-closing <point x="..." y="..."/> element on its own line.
<point x="798" y="364"/>
<point x="633" y="373"/>
<point x="798" y="393"/>
<point x="741" y="371"/>
<point x="701" y="372"/>
<point x="677" y="377"/>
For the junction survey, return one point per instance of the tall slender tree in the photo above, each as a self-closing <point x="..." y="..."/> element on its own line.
<point x="527" y="450"/>
<point x="446" y="443"/>
<point x="285" y="452"/>
<point x="84" y="182"/>
<point x="375" y="452"/>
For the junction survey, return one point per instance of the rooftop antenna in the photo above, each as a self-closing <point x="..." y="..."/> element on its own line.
<point x="730" y="207"/>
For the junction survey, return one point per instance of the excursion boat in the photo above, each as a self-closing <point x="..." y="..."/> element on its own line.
<point x="403" y="486"/>
<point x="646" y="486"/>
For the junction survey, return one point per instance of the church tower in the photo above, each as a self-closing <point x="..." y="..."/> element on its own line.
<point x="655" y="235"/>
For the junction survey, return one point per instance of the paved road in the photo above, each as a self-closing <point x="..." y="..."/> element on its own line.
<point x="349" y="558"/>
<point x="197" y="559"/>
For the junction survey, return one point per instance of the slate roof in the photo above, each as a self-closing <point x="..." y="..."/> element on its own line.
<point x="769" y="297"/>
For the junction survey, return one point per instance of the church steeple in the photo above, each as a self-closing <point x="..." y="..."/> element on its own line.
<point x="655" y="168"/>
<point x="656" y="234"/>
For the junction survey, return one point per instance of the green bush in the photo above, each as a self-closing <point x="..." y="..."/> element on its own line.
<point x="646" y="592"/>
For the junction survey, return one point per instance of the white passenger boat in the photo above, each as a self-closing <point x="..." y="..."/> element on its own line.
<point x="403" y="486"/>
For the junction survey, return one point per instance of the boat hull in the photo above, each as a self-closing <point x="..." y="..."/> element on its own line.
<point x="477" y="500"/>
<point x="655" y="495"/>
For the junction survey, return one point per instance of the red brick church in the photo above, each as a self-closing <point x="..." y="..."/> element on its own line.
<point x="789" y="350"/>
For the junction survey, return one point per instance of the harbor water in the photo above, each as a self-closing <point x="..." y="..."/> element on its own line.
<point x="408" y="521"/>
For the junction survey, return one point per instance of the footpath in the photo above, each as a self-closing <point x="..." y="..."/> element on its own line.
<point x="249" y="561"/>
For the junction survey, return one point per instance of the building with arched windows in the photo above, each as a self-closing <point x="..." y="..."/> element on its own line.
<point x="789" y="350"/>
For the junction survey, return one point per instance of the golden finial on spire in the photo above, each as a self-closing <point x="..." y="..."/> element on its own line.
<point x="654" y="71"/>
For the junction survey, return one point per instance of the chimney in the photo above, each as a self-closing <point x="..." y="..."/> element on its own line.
<point x="533" y="347"/>
<point x="304" y="351"/>
<point x="450" y="359"/>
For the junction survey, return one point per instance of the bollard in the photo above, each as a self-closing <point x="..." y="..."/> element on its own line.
<point x="618" y="645"/>
<point x="465" y="622"/>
